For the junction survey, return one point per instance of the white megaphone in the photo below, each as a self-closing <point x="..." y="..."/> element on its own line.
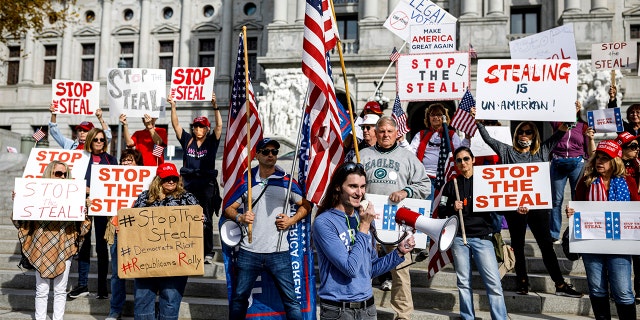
<point x="443" y="231"/>
<point x="230" y="233"/>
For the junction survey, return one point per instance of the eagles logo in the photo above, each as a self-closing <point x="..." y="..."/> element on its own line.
<point x="380" y="173"/>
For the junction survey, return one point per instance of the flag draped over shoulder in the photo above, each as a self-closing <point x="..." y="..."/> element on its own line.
<point x="462" y="119"/>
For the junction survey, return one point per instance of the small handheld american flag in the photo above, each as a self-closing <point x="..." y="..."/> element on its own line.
<point x="39" y="135"/>
<point x="395" y="55"/>
<point x="158" y="150"/>
<point x="472" y="52"/>
<point x="400" y="117"/>
<point x="462" y="119"/>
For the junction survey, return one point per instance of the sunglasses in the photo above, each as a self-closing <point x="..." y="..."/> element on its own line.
<point x="128" y="160"/>
<point x="367" y="128"/>
<point x="60" y="174"/>
<point x="199" y="125"/>
<point x="465" y="159"/>
<point x="99" y="140"/>
<point x="171" y="179"/>
<point x="350" y="167"/>
<point x="631" y="146"/>
<point x="437" y="115"/>
<point x="265" y="152"/>
<point x="527" y="132"/>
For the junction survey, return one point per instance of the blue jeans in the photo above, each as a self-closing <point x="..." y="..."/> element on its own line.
<point x="118" y="291"/>
<point x="609" y="270"/>
<point x="561" y="169"/>
<point x="250" y="265"/>
<point x="171" y="290"/>
<point x="485" y="259"/>
<point x="329" y="312"/>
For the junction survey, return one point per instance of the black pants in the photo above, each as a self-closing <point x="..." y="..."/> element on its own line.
<point x="207" y="195"/>
<point x="102" y="251"/>
<point x="636" y="274"/>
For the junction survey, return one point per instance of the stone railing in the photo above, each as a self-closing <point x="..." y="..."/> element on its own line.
<point x="349" y="46"/>
<point x="344" y="1"/>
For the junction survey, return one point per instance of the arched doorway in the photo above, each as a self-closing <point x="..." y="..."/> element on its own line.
<point x="415" y="115"/>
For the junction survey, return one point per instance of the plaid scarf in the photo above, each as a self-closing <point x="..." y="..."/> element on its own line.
<point x="618" y="190"/>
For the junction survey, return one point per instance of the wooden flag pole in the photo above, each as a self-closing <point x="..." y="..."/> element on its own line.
<point x="246" y="103"/>
<point x="464" y="234"/>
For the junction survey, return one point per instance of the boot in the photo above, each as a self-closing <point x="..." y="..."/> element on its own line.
<point x="626" y="311"/>
<point x="600" y="307"/>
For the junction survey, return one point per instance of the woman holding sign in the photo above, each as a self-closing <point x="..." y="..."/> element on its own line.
<point x="605" y="179"/>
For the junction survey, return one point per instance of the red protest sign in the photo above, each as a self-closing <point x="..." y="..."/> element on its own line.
<point x="192" y="84"/>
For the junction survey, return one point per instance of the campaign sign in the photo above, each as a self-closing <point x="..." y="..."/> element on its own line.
<point x="535" y="90"/>
<point x="39" y="158"/>
<point x="415" y="12"/>
<point x="75" y="97"/>
<point x="386" y="227"/>
<point x="435" y="76"/>
<point x="49" y="199"/>
<point x="505" y="187"/>
<point x="481" y="148"/>
<point x="136" y="92"/>
<point x="614" y="55"/>
<point x="117" y="187"/>
<point x="556" y="43"/>
<point x="433" y="38"/>
<point x="160" y="242"/>
<point x="192" y="84"/>
<point x="605" y="120"/>
<point x="607" y="227"/>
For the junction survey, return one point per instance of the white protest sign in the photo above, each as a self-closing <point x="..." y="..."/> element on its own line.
<point x="39" y="158"/>
<point x="605" y="120"/>
<point x="117" y="187"/>
<point x="136" y="92"/>
<point x="431" y="38"/>
<point x="607" y="227"/>
<point x="556" y="43"/>
<point x="435" y="76"/>
<point x="614" y="55"/>
<point x="536" y="90"/>
<point x="75" y="97"/>
<point x="192" y="84"/>
<point x="386" y="227"/>
<point x="49" y="199"/>
<point x="505" y="187"/>
<point x="481" y="148"/>
<point x="415" y="12"/>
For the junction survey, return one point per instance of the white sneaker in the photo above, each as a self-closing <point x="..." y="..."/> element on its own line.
<point x="386" y="285"/>
<point x="208" y="259"/>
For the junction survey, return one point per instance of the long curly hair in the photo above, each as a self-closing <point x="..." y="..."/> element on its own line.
<point x="434" y="107"/>
<point x="591" y="174"/>
<point x="156" y="192"/>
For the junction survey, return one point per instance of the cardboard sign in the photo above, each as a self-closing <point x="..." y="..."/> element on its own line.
<point x="136" y="92"/>
<point x="505" y="187"/>
<point x="39" y="158"/>
<point x="436" y="76"/>
<point x="481" y="148"/>
<point x="605" y="120"/>
<point x="49" y="199"/>
<point x="614" y="55"/>
<point x="432" y="38"/>
<point x="556" y="43"/>
<point x="608" y="227"/>
<point x="536" y="90"/>
<point x="415" y="12"/>
<point x="75" y="97"/>
<point x="160" y="242"/>
<point x="117" y="187"/>
<point x="386" y="227"/>
<point x="192" y="84"/>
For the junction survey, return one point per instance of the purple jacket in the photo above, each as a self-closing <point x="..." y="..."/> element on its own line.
<point x="573" y="143"/>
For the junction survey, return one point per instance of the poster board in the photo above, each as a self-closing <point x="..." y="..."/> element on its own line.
<point x="386" y="227"/>
<point x="433" y="38"/>
<point x="117" y="187"/>
<point x="136" y="92"/>
<point x="435" y="76"/>
<point x="408" y="13"/>
<point x="614" y="55"/>
<point x="556" y="43"/>
<point x="49" y="199"/>
<point x="192" y="84"/>
<point x="160" y="242"/>
<point x="481" y="148"/>
<point x="75" y="97"/>
<point x="605" y="120"/>
<point x="39" y="158"/>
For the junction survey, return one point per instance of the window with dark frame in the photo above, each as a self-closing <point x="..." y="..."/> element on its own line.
<point x="13" y="65"/>
<point x="166" y="57"/>
<point x="50" y="56"/>
<point x="126" y="53"/>
<point x="88" y="61"/>
<point x="207" y="53"/>
<point x="347" y="26"/>
<point x="252" y="56"/>
<point x="525" y="20"/>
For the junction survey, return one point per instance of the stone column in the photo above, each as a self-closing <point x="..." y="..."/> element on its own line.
<point x="496" y="8"/>
<point x="301" y="7"/>
<point x="185" y="34"/>
<point x="469" y="8"/>
<point x="66" y="54"/>
<point x="144" y="42"/>
<point x="105" y="41"/>
<point x="571" y="6"/>
<point x="228" y="45"/>
<point x="280" y="11"/>
<point x="370" y="10"/>
<point x="27" y="60"/>
<point x="599" y="6"/>
<point x="391" y="4"/>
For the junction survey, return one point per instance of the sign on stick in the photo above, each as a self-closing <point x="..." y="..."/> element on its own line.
<point x="39" y="158"/>
<point x="75" y="97"/>
<point x="117" y="187"/>
<point x="556" y="43"/>
<point x="192" y="84"/>
<point x="136" y="92"/>
<point x="415" y="12"/>
<point x="433" y="38"/>
<point x="436" y="76"/>
<point x="614" y="55"/>
<point x="49" y="199"/>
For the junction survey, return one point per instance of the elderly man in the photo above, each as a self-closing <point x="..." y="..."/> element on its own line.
<point x="395" y="171"/>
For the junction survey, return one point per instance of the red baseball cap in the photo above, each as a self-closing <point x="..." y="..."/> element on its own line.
<point x="610" y="148"/>
<point x="625" y="137"/>
<point x="373" y="107"/>
<point x="167" y="169"/>
<point x="202" y="120"/>
<point x="85" y="125"/>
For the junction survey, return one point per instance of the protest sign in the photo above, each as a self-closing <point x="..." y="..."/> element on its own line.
<point x="49" y="199"/>
<point x="436" y="76"/>
<point x="75" y="97"/>
<point x="556" y="43"/>
<point x="136" y="92"/>
<point x="39" y="158"/>
<point x="415" y="12"/>
<point x="386" y="227"/>
<point x="160" y="242"/>
<point x="432" y="38"/>
<point x="505" y="187"/>
<point x="606" y="227"/>
<point x="192" y="84"/>
<point x="536" y="90"/>
<point x="614" y="55"/>
<point x="481" y="148"/>
<point x="605" y="120"/>
<point x="117" y="187"/>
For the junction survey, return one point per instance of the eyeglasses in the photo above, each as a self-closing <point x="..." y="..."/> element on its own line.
<point x="127" y="160"/>
<point x="60" y="174"/>
<point x="99" y="139"/>
<point x="527" y="132"/>
<point x="631" y="146"/>
<point x="351" y="167"/>
<point x="265" y="152"/>
<point x="437" y="115"/>
<point x="465" y="159"/>
<point x="172" y="179"/>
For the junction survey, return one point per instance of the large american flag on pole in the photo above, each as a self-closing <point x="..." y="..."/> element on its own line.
<point x="462" y="119"/>
<point x="324" y="149"/>
<point x="234" y="162"/>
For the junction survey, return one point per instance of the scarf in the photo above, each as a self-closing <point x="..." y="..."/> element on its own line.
<point x="443" y="156"/>
<point x="618" y="190"/>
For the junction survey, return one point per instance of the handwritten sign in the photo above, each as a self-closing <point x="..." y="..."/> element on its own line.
<point x="160" y="242"/>
<point x="606" y="120"/>
<point x="75" y="97"/>
<point x="609" y="227"/>
<point x="481" y="148"/>
<point x="433" y="38"/>
<point x="136" y="92"/>
<point x="49" y="199"/>
<point x="536" y="90"/>
<point x="386" y="227"/>
<point x="436" y="76"/>
<point x="39" y="158"/>
<point x="117" y="187"/>
<point x="614" y="55"/>
<point x="415" y="12"/>
<point x="506" y="187"/>
<point x="556" y="43"/>
<point x="192" y="84"/>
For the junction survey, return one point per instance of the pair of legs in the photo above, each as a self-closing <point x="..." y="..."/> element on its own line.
<point x="170" y="289"/>
<point x="561" y="170"/>
<point x="84" y="256"/>
<point x="205" y="193"/>
<point x="613" y="271"/>
<point x="329" y="312"/>
<point x="59" y="294"/>
<point x="118" y="290"/>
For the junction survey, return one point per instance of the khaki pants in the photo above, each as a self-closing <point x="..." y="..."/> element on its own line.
<point x="401" y="300"/>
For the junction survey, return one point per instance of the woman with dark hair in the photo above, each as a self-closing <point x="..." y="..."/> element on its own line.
<point x="347" y="255"/>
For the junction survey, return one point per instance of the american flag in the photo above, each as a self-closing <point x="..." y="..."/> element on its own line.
<point x="158" y="150"/>
<point x="39" y="135"/>
<point x="234" y="163"/>
<point x="400" y="117"/>
<point x="472" y="52"/>
<point x="395" y="55"/>
<point x="325" y="147"/>
<point x="462" y="119"/>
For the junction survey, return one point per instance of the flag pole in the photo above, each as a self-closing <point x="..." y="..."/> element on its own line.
<point x="389" y="67"/>
<point x="36" y="144"/>
<point x="246" y="103"/>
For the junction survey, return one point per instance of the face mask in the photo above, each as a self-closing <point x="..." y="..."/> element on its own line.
<point x="524" y="144"/>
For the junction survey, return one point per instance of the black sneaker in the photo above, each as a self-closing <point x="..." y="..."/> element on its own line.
<point x="567" y="290"/>
<point x="522" y="288"/>
<point x="421" y="256"/>
<point x="78" y="292"/>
